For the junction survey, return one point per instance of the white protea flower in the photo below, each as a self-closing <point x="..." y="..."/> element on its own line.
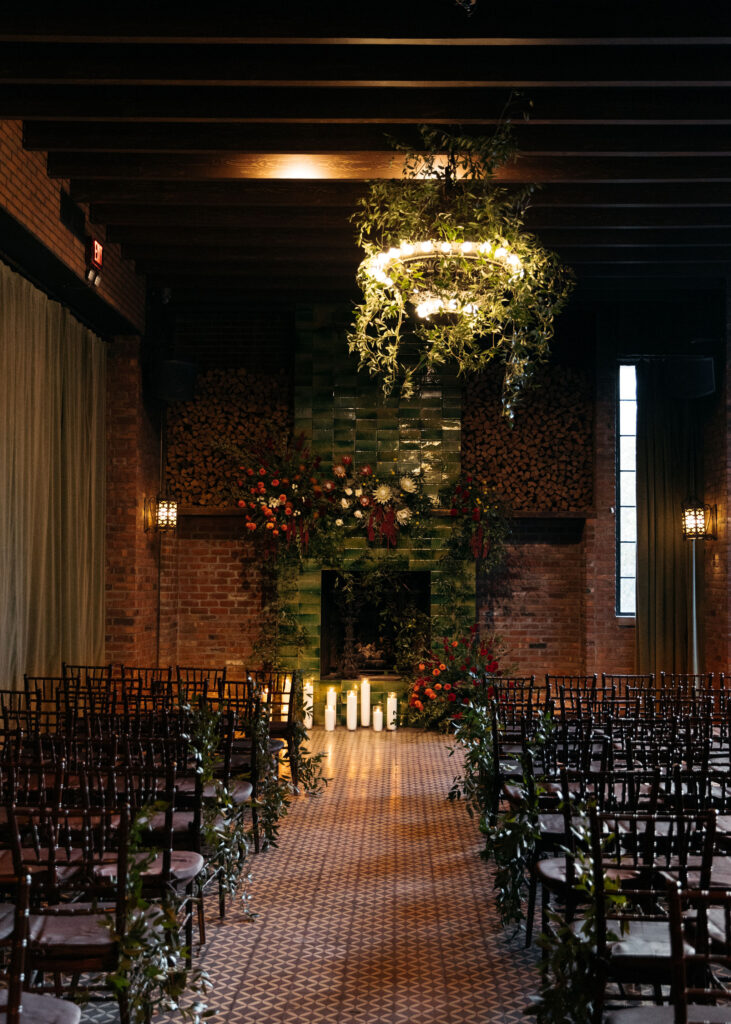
<point x="344" y="503"/>
<point x="339" y="471"/>
<point x="403" y="516"/>
<point x="407" y="484"/>
<point x="383" y="494"/>
<point x="338" y="522"/>
<point x="348" y="491"/>
<point x="358" y="491"/>
<point x="358" y="514"/>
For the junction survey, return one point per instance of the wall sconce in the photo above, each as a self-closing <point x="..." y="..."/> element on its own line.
<point x="699" y="521"/>
<point x="161" y="514"/>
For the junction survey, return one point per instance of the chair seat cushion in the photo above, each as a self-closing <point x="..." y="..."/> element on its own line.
<point x="7" y="920"/>
<point x="71" y="934"/>
<point x="39" y="1009"/>
<point x="239" y="789"/>
<point x="552" y="873"/>
<point x="647" y="1014"/>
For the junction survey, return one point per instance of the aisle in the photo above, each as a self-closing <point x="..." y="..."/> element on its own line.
<point x="375" y="907"/>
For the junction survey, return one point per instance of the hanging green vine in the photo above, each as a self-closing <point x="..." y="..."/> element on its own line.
<point x="152" y="968"/>
<point x="225" y="832"/>
<point x="572" y="971"/>
<point x="449" y="267"/>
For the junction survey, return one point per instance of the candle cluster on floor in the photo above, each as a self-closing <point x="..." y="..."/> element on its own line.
<point x="370" y="716"/>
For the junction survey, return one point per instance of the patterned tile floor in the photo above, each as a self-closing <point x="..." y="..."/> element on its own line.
<point x="374" y="909"/>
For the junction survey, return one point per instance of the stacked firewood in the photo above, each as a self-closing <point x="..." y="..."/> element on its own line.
<point x="544" y="461"/>
<point x="230" y="408"/>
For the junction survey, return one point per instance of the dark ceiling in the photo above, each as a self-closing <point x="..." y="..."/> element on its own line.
<point x="224" y="146"/>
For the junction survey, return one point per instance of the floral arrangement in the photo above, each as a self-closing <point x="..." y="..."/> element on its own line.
<point x="381" y="508"/>
<point x="287" y="498"/>
<point x="482" y="526"/>
<point x="447" y="678"/>
<point x="282" y="496"/>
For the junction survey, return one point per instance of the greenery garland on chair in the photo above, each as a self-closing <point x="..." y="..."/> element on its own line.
<point x="447" y="244"/>
<point x="152" y="968"/>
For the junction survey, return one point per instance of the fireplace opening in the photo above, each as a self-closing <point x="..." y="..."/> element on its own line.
<point x="366" y="623"/>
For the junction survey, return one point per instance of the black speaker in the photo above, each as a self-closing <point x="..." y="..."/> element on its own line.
<point x="176" y="380"/>
<point x="690" y="378"/>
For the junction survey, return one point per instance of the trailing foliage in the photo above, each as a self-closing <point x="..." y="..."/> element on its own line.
<point x="492" y="289"/>
<point x="152" y="967"/>
<point x="480" y="525"/>
<point x="310" y="767"/>
<point x="479" y="780"/>
<point x="224" y="831"/>
<point x="572" y="972"/>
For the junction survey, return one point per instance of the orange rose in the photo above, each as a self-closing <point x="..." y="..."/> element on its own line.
<point x="422" y="667"/>
<point x="442" y="667"/>
<point x="437" y="686"/>
<point x="435" y="672"/>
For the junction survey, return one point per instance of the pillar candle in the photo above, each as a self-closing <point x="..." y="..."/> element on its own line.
<point x="309" y="700"/>
<point x="352" y="710"/>
<point x="329" y="718"/>
<point x="331" y="697"/>
<point x="391" y="707"/>
<point x="365" y="703"/>
<point x="377" y="718"/>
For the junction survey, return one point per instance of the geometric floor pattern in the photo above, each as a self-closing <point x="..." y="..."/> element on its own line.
<point x="375" y="908"/>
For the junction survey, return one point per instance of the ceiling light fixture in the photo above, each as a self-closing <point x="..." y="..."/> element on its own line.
<point x="448" y="265"/>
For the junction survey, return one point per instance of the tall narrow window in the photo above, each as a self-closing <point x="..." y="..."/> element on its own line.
<point x="626" y="490"/>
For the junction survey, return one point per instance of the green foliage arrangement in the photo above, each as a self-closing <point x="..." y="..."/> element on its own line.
<point x="450" y="269"/>
<point x="152" y="968"/>
<point x="478" y="782"/>
<point x="572" y="971"/>
<point x="225" y="832"/>
<point x="480" y="524"/>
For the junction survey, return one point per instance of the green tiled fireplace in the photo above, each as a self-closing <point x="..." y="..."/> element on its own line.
<point x="343" y="412"/>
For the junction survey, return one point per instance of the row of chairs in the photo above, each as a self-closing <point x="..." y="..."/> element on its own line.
<point x="72" y="790"/>
<point x="642" y="801"/>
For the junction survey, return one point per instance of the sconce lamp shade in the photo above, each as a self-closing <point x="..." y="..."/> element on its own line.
<point x="699" y="520"/>
<point x="161" y="514"/>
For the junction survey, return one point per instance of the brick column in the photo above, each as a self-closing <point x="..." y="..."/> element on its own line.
<point x="132" y="556"/>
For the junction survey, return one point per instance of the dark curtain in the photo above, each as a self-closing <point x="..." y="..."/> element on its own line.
<point x="668" y="469"/>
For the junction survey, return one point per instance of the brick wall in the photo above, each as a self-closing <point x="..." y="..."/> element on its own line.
<point x="211" y="585"/>
<point x="33" y="199"/>
<point x="717" y="475"/>
<point x="541" y="625"/>
<point x="132" y="473"/>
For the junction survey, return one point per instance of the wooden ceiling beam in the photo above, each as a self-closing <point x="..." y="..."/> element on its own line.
<point x="368" y="165"/>
<point x="428" y="65"/>
<point x="201" y="219"/>
<point x="332" y="195"/>
<point x="562" y="140"/>
<point x="342" y="246"/>
<point x="465" y="105"/>
<point x="416" y="20"/>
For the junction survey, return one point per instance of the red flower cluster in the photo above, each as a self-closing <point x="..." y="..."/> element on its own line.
<point x="447" y="677"/>
<point x="282" y="497"/>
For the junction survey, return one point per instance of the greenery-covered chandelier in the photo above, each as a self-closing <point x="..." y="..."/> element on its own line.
<point x="450" y="270"/>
